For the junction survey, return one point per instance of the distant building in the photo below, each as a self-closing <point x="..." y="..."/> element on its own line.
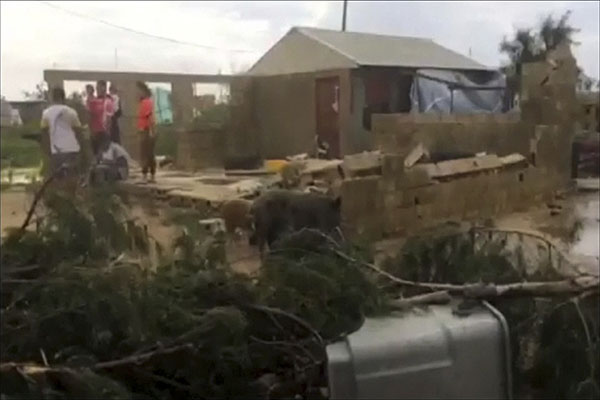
<point x="10" y="116"/>
<point x="325" y="83"/>
<point x="5" y="113"/>
<point x="589" y="103"/>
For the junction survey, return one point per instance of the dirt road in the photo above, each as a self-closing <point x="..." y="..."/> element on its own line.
<point x="14" y="206"/>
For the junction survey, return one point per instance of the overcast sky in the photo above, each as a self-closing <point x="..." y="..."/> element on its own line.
<point x="36" y="36"/>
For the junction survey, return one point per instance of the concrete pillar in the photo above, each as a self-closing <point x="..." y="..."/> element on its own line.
<point x="129" y="103"/>
<point x="182" y="98"/>
<point x="53" y="82"/>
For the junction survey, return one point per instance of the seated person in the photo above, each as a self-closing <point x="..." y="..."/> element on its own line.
<point x="112" y="163"/>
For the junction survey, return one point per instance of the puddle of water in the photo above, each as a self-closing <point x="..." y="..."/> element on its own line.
<point x="589" y="235"/>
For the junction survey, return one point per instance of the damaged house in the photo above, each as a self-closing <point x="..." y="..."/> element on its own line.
<point x="316" y="82"/>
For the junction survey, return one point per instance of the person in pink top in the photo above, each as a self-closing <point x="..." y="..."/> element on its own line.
<point x="101" y="109"/>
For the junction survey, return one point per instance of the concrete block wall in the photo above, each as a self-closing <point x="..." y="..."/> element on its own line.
<point x="182" y="95"/>
<point x="362" y="208"/>
<point x="501" y="134"/>
<point x="200" y="148"/>
<point x="396" y="204"/>
<point x="403" y="200"/>
<point x="242" y="147"/>
<point x="411" y="200"/>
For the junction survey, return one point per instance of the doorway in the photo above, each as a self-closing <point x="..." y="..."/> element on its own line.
<point x="327" y="96"/>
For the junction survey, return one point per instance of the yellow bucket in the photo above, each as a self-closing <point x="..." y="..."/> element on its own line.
<point x="275" y="165"/>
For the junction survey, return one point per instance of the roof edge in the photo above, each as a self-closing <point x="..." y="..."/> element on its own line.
<point x="249" y="71"/>
<point x="365" y="33"/>
<point x="302" y="31"/>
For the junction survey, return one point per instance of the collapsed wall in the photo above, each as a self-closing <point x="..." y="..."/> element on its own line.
<point x="528" y="158"/>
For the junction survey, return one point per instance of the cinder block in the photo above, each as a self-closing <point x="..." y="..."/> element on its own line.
<point x="426" y="194"/>
<point x="428" y="117"/>
<point x="363" y="163"/>
<point x="464" y="118"/>
<point x="385" y="143"/>
<point x="361" y="196"/>
<point x="482" y="118"/>
<point x="392" y="166"/>
<point x="455" y="198"/>
<point x="531" y="111"/>
<point x="401" y="220"/>
<point x="414" y="177"/>
<point x="448" y="118"/>
<point x="392" y="200"/>
<point x="425" y="213"/>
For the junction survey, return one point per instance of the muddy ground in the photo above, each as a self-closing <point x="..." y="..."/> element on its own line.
<point x="576" y="225"/>
<point x="243" y="258"/>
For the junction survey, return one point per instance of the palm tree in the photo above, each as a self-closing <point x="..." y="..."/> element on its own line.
<point x="553" y="32"/>
<point x="531" y="44"/>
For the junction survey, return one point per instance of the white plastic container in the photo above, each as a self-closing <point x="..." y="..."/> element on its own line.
<point x="432" y="353"/>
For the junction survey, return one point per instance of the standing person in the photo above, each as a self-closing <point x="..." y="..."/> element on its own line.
<point x="147" y="131"/>
<point x="61" y="132"/>
<point x="115" y="131"/>
<point x="101" y="111"/>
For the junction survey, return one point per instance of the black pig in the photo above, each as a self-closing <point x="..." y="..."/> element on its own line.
<point x="279" y="212"/>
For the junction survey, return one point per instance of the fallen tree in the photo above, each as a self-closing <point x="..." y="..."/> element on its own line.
<point x="84" y="316"/>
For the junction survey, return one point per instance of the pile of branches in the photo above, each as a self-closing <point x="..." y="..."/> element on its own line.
<point x="84" y="314"/>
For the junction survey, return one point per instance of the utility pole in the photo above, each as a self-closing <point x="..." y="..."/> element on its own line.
<point x="116" y="59"/>
<point x="344" y="16"/>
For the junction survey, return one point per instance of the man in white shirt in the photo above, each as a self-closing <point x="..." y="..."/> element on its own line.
<point x="60" y="135"/>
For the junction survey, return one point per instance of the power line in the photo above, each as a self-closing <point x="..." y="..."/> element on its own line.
<point x="142" y="33"/>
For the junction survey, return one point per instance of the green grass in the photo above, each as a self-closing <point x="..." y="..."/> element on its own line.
<point x="18" y="152"/>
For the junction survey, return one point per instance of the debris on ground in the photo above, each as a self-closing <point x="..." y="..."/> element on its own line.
<point x="363" y="164"/>
<point x="416" y="154"/>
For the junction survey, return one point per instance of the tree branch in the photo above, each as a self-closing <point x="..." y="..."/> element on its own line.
<point x="141" y="358"/>
<point x="298" y="320"/>
<point x="37" y="198"/>
<point x="440" y="297"/>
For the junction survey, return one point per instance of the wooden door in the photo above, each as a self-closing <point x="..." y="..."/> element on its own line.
<point x="328" y="113"/>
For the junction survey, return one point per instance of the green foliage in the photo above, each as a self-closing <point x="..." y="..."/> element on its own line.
<point x="112" y="327"/>
<point x="17" y="151"/>
<point x="533" y="44"/>
<point x="92" y="226"/>
<point x="306" y="277"/>
<point x="85" y="308"/>
<point x="166" y="140"/>
<point x="218" y="115"/>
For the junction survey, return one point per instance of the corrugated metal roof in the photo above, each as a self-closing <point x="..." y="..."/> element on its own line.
<point x="391" y="51"/>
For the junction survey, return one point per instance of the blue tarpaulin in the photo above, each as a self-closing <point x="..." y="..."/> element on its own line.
<point x="448" y="92"/>
<point x="162" y="106"/>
